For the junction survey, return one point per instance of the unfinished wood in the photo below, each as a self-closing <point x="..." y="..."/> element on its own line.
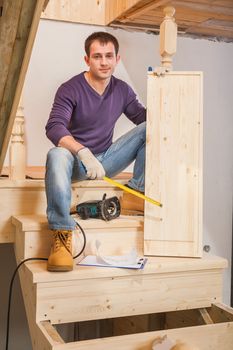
<point x="101" y="12"/>
<point x="51" y="331"/>
<point x="221" y="313"/>
<point x="77" y="11"/>
<point x="98" y="298"/>
<point x="131" y="324"/>
<point x="117" y="7"/>
<point x="165" y="284"/>
<point x="40" y="340"/>
<point x="10" y="14"/>
<point x="191" y="16"/>
<point x="168" y="37"/>
<point x="158" y="265"/>
<point x="17" y="152"/>
<point x="25" y="197"/>
<point x="114" y="240"/>
<point x="15" y="48"/>
<point x="205" y="315"/>
<point x="219" y="336"/>
<point x="174" y="177"/>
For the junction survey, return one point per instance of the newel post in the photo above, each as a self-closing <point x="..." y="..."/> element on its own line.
<point x="17" y="151"/>
<point x="168" y="37"/>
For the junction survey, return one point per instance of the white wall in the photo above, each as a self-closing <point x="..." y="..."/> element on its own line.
<point x="58" y="55"/>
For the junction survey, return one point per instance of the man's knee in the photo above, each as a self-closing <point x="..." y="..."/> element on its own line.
<point x="59" y="155"/>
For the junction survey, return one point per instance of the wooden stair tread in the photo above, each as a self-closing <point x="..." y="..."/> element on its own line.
<point x="154" y="265"/>
<point x="38" y="222"/>
<point x="5" y="182"/>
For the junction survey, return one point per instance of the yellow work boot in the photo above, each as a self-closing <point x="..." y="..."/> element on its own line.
<point x="61" y="258"/>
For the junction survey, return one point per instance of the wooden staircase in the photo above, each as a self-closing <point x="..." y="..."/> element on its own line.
<point x="123" y="298"/>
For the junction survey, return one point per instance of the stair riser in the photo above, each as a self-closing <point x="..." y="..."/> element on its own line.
<point x="114" y="241"/>
<point x="70" y="301"/>
<point x="32" y="200"/>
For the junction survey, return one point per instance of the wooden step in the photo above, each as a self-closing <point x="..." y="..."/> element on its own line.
<point x="89" y="293"/>
<point x="27" y="197"/>
<point x="187" y="328"/>
<point x="118" y="236"/>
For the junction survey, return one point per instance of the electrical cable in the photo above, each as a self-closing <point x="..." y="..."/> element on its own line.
<point x="15" y="272"/>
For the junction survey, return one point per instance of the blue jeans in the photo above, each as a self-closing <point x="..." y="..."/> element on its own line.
<point x="62" y="167"/>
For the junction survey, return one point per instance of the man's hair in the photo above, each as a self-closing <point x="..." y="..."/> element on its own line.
<point x="103" y="38"/>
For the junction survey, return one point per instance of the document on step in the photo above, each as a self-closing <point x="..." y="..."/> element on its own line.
<point x="127" y="261"/>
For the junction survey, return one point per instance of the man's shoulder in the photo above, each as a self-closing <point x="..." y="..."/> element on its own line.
<point x="77" y="79"/>
<point x="120" y="84"/>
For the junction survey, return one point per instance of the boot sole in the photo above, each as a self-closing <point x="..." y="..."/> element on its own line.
<point x="52" y="268"/>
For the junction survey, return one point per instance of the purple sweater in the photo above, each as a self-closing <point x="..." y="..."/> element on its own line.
<point x="78" y="110"/>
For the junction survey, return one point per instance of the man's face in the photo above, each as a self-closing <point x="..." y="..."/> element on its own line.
<point x="102" y="60"/>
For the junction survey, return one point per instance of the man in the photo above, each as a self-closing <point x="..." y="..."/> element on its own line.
<point x="81" y="125"/>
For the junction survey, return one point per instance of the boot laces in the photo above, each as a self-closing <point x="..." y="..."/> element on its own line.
<point x="62" y="238"/>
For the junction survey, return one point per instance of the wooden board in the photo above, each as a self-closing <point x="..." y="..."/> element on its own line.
<point x="27" y="197"/>
<point x="18" y="26"/>
<point x="200" y="18"/>
<point x="174" y="165"/>
<point x="100" y="12"/>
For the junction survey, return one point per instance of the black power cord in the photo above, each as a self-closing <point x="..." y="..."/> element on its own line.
<point x="15" y="272"/>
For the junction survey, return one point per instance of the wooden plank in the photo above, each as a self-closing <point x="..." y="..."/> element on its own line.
<point x="27" y="197"/>
<point x="219" y="336"/>
<point x="39" y="338"/>
<point x="155" y="265"/>
<point x="100" y="12"/>
<point x="52" y="333"/>
<point x="174" y="142"/>
<point x="114" y="241"/>
<point x="151" y="6"/>
<point x="10" y="15"/>
<point x="221" y="313"/>
<point x="132" y="294"/>
<point x="115" y="9"/>
<point x="205" y="315"/>
<point x="20" y="43"/>
<point x="76" y="11"/>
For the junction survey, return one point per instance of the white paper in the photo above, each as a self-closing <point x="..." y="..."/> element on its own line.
<point x="93" y="260"/>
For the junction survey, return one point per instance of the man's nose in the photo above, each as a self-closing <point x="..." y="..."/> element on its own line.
<point x="103" y="60"/>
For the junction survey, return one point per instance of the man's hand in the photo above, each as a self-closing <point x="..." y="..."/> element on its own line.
<point x="93" y="167"/>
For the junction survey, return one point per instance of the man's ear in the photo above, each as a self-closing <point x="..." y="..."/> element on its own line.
<point x="86" y="59"/>
<point x="118" y="58"/>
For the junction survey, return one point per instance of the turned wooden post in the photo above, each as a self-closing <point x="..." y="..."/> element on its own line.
<point x="17" y="152"/>
<point x="168" y="37"/>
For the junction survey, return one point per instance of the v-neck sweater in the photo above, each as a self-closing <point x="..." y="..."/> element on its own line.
<point x="78" y="110"/>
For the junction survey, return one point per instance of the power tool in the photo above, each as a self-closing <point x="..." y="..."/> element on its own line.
<point x="106" y="209"/>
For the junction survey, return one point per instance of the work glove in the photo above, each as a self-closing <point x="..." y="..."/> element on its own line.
<point x="93" y="167"/>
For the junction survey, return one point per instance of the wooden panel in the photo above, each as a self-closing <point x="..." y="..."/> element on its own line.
<point x="115" y="8"/>
<point x="78" y="11"/>
<point x="114" y="241"/>
<point x="215" y="336"/>
<point x="174" y="165"/>
<point x="133" y="294"/>
<point x="18" y="28"/>
<point x="100" y="12"/>
<point x="28" y="197"/>
<point x="192" y="17"/>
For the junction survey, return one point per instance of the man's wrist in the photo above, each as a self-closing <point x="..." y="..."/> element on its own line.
<point x="79" y="149"/>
